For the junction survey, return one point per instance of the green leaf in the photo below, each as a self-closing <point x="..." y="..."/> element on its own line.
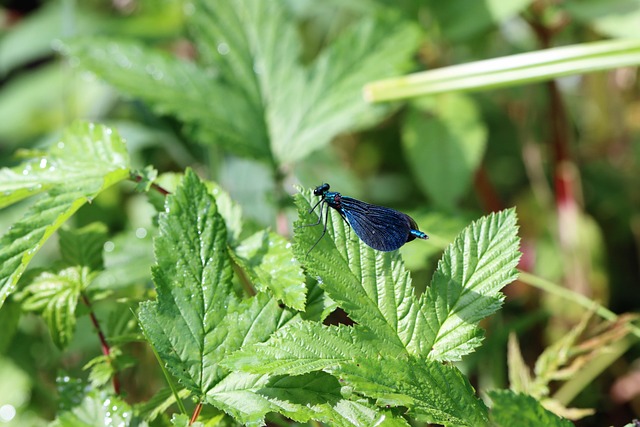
<point x="197" y="320"/>
<point x="303" y="107"/>
<point x="87" y="160"/>
<point x="176" y="87"/>
<point x="268" y="260"/>
<point x="193" y="280"/>
<point x="433" y="392"/>
<point x="466" y="285"/>
<point x="83" y="246"/>
<point x="251" y="68"/>
<point x="524" y="68"/>
<point x="98" y="409"/>
<point x="444" y="139"/>
<point x="314" y="396"/>
<point x="55" y="295"/>
<point x="145" y="178"/>
<point x="511" y="409"/>
<point x="373" y="287"/>
<point x="305" y="347"/>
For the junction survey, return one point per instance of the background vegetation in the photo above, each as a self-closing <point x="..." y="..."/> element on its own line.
<point x="260" y="96"/>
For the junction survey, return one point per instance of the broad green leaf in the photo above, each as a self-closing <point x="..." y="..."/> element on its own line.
<point x="302" y="108"/>
<point x="268" y="260"/>
<point x="197" y="320"/>
<point x="510" y="409"/>
<point x="99" y="409"/>
<point x="56" y="295"/>
<point x="466" y="285"/>
<point x="172" y="86"/>
<point x="432" y="392"/>
<point x="524" y="68"/>
<point x="314" y="396"/>
<point x="193" y="281"/>
<point x="83" y="163"/>
<point x="373" y="287"/>
<point x="444" y="139"/>
<point x="305" y="347"/>
<point x="251" y="68"/>
<point x="83" y="246"/>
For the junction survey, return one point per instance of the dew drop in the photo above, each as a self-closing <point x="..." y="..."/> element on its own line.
<point x="223" y="48"/>
<point x="141" y="232"/>
<point x="109" y="246"/>
<point x="7" y="413"/>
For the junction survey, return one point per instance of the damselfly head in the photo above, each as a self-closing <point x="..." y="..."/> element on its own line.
<point x="321" y="189"/>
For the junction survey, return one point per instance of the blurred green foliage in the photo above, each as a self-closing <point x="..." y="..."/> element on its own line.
<point x="260" y="95"/>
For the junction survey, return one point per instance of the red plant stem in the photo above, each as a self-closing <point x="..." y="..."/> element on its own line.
<point x="159" y="189"/>
<point x="106" y="349"/>
<point x="486" y="192"/>
<point x="196" y="413"/>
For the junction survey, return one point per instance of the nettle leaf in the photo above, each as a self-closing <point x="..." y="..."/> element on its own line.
<point x="83" y="246"/>
<point x="373" y="287"/>
<point x="510" y="409"/>
<point x="466" y="285"/>
<point x="314" y="396"/>
<point x="268" y="259"/>
<point x="250" y="67"/>
<point x="55" y="295"/>
<point x="303" y="108"/>
<point x="432" y="392"/>
<point x="173" y="86"/>
<point x="193" y="280"/>
<point x="304" y="347"/>
<point x="99" y="409"/>
<point x="84" y="162"/>
<point x="386" y="354"/>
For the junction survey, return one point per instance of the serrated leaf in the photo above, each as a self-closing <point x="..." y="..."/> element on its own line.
<point x="98" y="409"/>
<point x="173" y="86"/>
<point x="193" y="281"/>
<point x="373" y="287"/>
<point x="196" y="320"/>
<point x="87" y="160"/>
<point x="268" y="260"/>
<point x="303" y="109"/>
<point x="304" y="347"/>
<point x="510" y="409"/>
<point x="315" y="396"/>
<point x="433" y="392"/>
<point x="56" y="295"/>
<point x="83" y="246"/>
<point x="466" y="285"/>
<point x="251" y="68"/>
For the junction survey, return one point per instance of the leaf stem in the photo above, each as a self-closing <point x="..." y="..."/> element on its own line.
<point x="158" y="188"/>
<point x="196" y="413"/>
<point x="106" y="349"/>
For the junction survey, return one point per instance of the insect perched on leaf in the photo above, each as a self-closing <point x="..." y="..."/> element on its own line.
<point x="384" y="229"/>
